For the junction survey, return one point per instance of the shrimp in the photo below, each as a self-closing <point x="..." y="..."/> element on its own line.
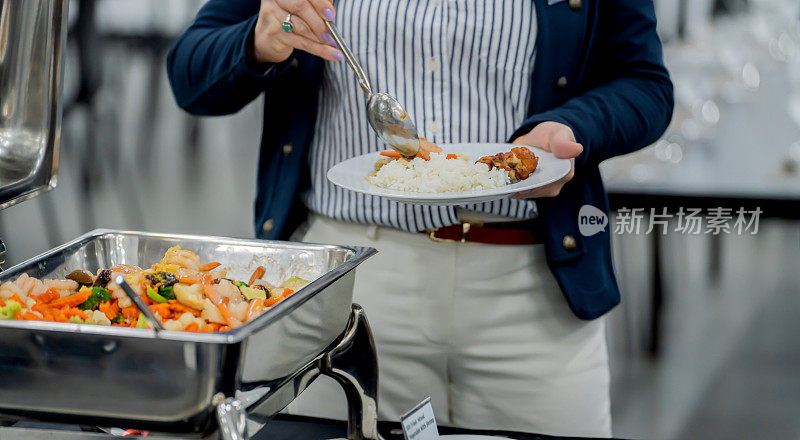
<point x="63" y="287"/>
<point x="7" y="290"/>
<point x="122" y="298"/>
<point x="38" y="288"/>
<point x="211" y="313"/>
<point x="239" y="310"/>
<point x="25" y="284"/>
<point x="226" y="289"/>
<point x="182" y="258"/>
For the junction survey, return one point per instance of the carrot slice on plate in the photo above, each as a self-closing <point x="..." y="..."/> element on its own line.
<point x="391" y="153"/>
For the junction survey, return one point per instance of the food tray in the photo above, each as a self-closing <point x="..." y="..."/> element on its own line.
<point x="169" y="381"/>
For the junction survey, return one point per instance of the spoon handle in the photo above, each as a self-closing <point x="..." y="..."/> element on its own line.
<point x="139" y="303"/>
<point x="351" y="59"/>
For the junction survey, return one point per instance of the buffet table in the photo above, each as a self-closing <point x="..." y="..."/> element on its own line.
<point x="294" y="427"/>
<point x="283" y="427"/>
<point x="749" y="162"/>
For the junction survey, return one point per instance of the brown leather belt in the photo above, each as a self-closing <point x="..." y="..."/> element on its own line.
<point x="524" y="232"/>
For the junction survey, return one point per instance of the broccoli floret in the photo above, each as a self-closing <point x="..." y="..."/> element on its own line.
<point x="119" y="319"/>
<point x="11" y="308"/>
<point x="167" y="292"/>
<point x="162" y="279"/>
<point x="99" y="295"/>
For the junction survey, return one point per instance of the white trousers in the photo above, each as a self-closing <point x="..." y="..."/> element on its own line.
<point x="482" y="329"/>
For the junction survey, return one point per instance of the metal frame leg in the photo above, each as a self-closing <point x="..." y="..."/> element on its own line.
<point x="354" y="365"/>
<point x="352" y="362"/>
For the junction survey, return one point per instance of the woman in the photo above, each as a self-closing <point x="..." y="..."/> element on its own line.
<point x="504" y="326"/>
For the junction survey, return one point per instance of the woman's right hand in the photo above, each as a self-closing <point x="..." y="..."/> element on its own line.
<point x="272" y="44"/>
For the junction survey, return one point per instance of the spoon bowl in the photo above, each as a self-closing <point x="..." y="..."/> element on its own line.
<point x="392" y="124"/>
<point x="386" y="116"/>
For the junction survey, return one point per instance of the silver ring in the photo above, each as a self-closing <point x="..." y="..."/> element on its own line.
<point x="287" y="24"/>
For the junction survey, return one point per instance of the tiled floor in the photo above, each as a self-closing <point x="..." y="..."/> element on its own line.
<point x="757" y="392"/>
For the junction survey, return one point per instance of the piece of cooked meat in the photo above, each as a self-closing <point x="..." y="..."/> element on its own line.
<point x="520" y="162"/>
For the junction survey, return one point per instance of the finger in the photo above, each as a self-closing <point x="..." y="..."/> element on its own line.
<point x="313" y="47"/>
<point x="565" y="148"/>
<point x="539" y="137"/>
<point x="324" y="8"/>
<point x="304" y="10"/>
<point x="301" y="27"/>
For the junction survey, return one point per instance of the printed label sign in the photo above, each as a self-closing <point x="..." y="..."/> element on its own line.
<point x="420" y="423"/>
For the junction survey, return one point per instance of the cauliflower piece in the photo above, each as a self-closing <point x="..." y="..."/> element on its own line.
<point x="97" y="317"/>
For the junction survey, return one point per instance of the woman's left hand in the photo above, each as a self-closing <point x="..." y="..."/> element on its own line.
<point x="558" y="139"/>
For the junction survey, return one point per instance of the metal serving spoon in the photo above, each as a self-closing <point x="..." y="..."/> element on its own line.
<point x="386" y="116"/>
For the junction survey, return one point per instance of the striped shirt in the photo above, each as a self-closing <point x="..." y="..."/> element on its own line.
<point x="461" y="69"/>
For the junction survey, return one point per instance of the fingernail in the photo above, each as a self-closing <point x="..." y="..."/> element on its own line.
<point x="328" y="39"/>
<point x="329" y="14"/>
<point x="338" y="56"/>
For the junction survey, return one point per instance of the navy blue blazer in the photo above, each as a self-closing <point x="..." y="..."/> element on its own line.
<point x="598" y="69"/>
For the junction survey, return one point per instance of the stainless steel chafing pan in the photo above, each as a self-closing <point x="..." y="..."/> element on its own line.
<point x="173" y="381"/>
<point x="32" y="37"/>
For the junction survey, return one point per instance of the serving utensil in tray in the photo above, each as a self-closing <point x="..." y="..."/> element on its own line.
<point x="177" y="382"/>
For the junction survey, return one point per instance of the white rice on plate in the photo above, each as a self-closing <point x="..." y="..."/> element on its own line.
<point x="438" y="175"/>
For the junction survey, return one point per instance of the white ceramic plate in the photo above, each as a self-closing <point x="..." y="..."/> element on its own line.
<point x="352" y="175"/>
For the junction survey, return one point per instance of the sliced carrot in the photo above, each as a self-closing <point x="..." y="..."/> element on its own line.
<point x="287" y="292"/>
<point x="180" y="309"/>
<point x="271" y="301"/>
<point x="257" y="274"/>
<point x="224" y="328"/>
<point x="211" y="327"/>
<point x="209" y="266"/>
<point x="2" y="302"/>
<point x="130" y="313"/>
<point x="110" y="308"/>
<point x="18" y="315"/>
<point x="255" y="309"/>
<point x="162" y="309"/>
<point x="451" y="156"/>
<point x="72" y="300"/>
<point x="391" y="153"/>
<point x="60" y="316"/>
<point x="192" y="327"/>
<point x="76" y="312"/>
<point x="48" y="317"/>
<point x="47" y="297"/>
<point x="28" y="316"/>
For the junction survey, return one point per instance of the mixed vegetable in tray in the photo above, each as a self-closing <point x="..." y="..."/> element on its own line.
<point x="183" y="293"/>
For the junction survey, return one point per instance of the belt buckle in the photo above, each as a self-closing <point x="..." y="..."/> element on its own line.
<point x="465" y="228"/>
<point x="433" y="237"/>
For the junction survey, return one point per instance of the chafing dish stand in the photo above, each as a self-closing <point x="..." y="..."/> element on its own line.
<point x="350" y="360"/>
